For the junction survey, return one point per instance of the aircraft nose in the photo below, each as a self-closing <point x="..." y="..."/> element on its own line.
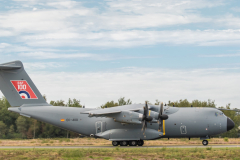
<point x="230" y="124"/>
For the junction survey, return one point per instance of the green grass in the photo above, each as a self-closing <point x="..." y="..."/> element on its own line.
<point x="122" y="153"/>
<point x="226" y="139"/>
<point x="73" y="154"/>
<point x="45" y="141"/>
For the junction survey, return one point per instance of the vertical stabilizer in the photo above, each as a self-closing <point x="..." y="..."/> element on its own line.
<point x="17" y="86"/>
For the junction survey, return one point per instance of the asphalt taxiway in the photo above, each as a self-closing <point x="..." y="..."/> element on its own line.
<point x="104" y="147"/>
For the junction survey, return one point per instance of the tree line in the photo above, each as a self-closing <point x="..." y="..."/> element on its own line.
<point x="12" y="125"/>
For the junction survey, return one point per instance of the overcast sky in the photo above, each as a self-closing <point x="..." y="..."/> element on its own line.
<point x="99" y="51"/>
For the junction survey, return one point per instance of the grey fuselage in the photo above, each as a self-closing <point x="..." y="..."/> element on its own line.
<point x="182" y="122"/>
<point x="120" y="123"/>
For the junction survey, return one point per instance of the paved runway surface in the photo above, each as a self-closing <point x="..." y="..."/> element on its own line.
<point x="76" y="147"/>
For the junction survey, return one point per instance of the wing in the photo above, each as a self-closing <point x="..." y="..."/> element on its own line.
<point x="99" y="113"/>
<point x="223" y="109"/>
<point x="107" y="111"/>
<point x="123" y="114"/>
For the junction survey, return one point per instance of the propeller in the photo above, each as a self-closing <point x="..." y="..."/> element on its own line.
<point x="161" y="117"/>
<point x="146" y="118"/>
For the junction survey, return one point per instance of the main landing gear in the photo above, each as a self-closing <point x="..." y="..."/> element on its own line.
<point x="126" y="143"/>
<point x="205" y="142"/>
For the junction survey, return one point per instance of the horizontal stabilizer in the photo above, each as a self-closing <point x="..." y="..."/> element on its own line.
<point x="10" y="66"/>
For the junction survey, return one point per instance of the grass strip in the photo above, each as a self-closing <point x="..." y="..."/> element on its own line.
<point x="122" y="153"/>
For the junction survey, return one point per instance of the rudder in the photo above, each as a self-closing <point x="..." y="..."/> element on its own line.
<point x="17" y="86"/>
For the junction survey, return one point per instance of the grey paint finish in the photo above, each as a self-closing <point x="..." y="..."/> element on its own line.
<point x="117" y="123"/>
<point x="203" y="123"/>
<point x="197" y="122"/>
<point x="15" y="71"/>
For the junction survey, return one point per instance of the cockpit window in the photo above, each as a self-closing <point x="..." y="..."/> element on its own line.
<point x="218" y="114"/>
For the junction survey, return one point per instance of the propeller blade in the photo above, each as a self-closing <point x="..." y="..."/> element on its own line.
<point x="145" y="127"/>
<point x="161" y="110"/>
<point x="160" y="117"/>
<point x="160" y="124"/>
<point x="146" y="118"/>
<point x="160" y="127"/>
<point x="143" y="122"/>
<point x="146" y="109"/>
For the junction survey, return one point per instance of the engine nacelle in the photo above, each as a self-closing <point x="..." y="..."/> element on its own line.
<point x="129" y="117"/>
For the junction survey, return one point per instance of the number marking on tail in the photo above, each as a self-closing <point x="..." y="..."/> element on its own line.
<point x="23" y="89"/>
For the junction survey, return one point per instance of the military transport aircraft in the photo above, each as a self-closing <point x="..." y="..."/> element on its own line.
<point x="123" y="125"/>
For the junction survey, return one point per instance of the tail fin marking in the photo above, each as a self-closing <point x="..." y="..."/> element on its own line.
<point x="24" y="90"/>
<point x="17" y="86"/>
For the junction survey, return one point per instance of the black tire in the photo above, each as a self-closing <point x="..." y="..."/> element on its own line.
<point x="115" y="143"/>
<point x="123" y="143"/>
<point x="140" y="143"/>
<point x="133" y="143"/>
<point x="205" y="142"/>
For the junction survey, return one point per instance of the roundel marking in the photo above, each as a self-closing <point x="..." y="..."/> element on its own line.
<point x="24" y="94"/>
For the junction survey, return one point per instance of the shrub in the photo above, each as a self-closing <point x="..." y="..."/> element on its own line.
<point x="209" y="148"/>
<point x="226" y="139"/>
<point x="67" y="140"/>
<point x="44" y="141"/>
<point x="202" y="156"/>
<point x="195" y="150"/>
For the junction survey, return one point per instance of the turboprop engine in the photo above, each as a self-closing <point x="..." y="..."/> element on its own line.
<point x="129" y="117"/>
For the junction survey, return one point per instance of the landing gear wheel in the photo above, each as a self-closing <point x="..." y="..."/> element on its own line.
<point x="115" y="143"/>
<point x="205" y="142"/>
<point x="132" y="143"/>
<point x="123" y="143"/>
<point x="140" y="143"/>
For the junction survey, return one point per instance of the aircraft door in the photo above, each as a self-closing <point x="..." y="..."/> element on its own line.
<point x="98" y="126"/>
<point x="103" y="126"/>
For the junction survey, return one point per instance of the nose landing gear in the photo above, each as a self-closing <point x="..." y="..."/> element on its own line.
<point x="205" y="142"/>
